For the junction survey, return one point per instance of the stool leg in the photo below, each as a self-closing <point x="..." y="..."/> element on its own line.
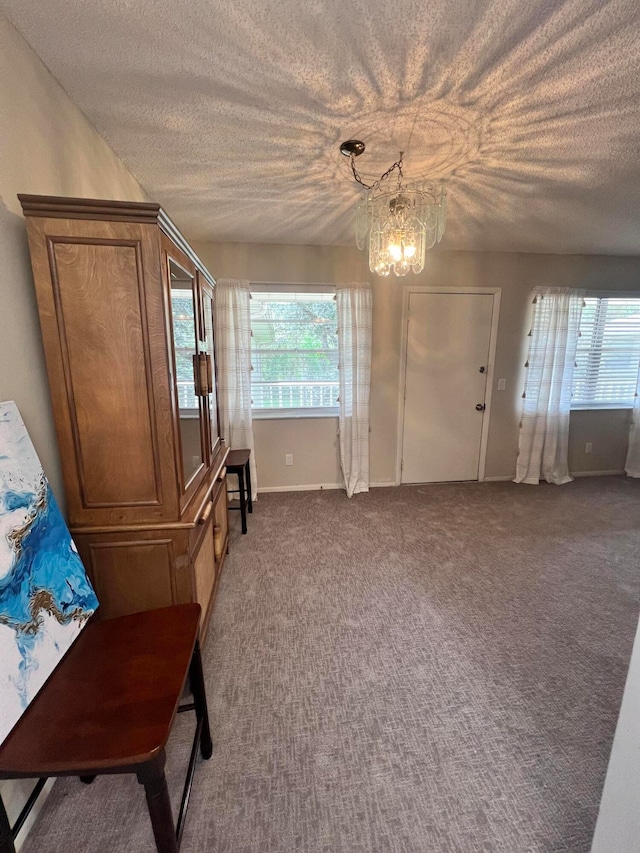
<point x="196" y="680"/>
<point x="6" y="840"/>
<point x="243" y="504"/>
<point x="155" y="787"/>
<point x="249" y="502"/>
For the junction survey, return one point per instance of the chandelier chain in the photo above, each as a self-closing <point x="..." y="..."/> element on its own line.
<point x="374" y="186"/>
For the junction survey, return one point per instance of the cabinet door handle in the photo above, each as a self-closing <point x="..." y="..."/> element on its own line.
<point x="206" y="513"/>
<point x="222" y="474"/>
<point x="196" y="375"/>
<point x="201" y="374"/>
<point x="209" y="372"/>
<point x="217" y="543"/>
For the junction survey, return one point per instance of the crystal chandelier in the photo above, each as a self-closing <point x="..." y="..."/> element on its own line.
<point x="400" y="223"/>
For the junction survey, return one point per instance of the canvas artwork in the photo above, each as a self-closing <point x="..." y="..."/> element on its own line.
<point x="45" y="595"/>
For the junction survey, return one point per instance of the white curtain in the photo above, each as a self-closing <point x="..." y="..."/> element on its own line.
<point x="632" y="465"/>
<point x="544" y="429"/>
<point x="233" y="362"/>
<point x="354" y="311"/>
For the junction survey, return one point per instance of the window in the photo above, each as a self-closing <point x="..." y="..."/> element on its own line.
<point x="608" y="353"/>
<point x="294" y="353"/>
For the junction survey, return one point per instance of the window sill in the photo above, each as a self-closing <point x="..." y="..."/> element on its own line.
<point x="580" y="407"/>
<point x="281" y="414"/>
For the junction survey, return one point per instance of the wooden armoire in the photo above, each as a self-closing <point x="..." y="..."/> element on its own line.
<point x="126" y="311"/>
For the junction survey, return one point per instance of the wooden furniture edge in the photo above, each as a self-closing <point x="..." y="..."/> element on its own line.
<point x="144" y="212"/>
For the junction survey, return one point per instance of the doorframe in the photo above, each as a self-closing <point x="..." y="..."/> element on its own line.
<point x="496" y="292"/>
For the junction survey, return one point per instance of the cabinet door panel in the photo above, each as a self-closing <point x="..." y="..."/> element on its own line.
<point x="183" y="313"/>
<point x="132" y="575"/>
<point x="99" y="297"/>
<point x="205" y="570"/>
<point x="207" y="340"/>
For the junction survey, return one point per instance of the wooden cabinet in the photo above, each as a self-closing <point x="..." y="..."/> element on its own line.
<point x="126" y="310"/>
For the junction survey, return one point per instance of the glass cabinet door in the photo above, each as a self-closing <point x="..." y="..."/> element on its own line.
<point x="207" y="342"/>
<point x="185" y="350"/>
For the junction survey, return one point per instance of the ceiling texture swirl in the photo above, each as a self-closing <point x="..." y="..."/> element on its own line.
<point x="231" y="114"/>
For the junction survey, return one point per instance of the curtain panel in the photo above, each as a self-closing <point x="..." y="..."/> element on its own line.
<point x="233" y="362"/>
<point x="632" y="464"/>
<point x="354" y="313"/>
<point x="544" y="429"/>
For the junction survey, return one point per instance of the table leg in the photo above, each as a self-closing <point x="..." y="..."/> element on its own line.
<point x="243" y="503"/>
<point x="248" y="470"/>
<point x="155" y="787"/>
<point x="6" y="839"/>
<point x="196" y="681"/>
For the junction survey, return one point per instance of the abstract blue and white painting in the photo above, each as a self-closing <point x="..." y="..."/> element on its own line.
<point x="45" y="595"/>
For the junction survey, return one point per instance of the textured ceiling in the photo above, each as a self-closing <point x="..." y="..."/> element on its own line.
<point x="231" y="114"/>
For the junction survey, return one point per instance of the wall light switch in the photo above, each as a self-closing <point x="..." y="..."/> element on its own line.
<point x="502" y="384"/>
<point x="288" y="459"/>
<point x="588" y="448"/>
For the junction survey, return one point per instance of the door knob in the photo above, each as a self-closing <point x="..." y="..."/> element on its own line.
<point x="480" y="407"/>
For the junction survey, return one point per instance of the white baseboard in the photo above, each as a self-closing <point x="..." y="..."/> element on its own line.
<point x="612" y="473"/>
<point x="311" y="487"/>
<point x="317" y="487"/>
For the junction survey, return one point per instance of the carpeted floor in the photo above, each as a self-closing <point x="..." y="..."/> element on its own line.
<point x="434" y="668"/>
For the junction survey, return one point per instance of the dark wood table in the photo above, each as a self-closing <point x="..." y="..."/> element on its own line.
<point x="109" y="708"/>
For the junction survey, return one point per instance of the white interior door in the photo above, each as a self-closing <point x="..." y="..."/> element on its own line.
<point x="448" y="341"/>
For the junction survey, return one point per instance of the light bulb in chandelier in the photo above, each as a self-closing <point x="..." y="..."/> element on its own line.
<point x="398" y="224"/>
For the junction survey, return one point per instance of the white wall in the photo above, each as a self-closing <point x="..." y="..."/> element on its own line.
<point x="618" y="826"/>
<point x="516" y="274"/>
<point x="47" y="147"/>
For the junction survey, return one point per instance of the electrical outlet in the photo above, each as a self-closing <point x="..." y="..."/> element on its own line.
<point x="502" y="384"/>
<point x="588" y="448"/>
<point x="288" y="459"/>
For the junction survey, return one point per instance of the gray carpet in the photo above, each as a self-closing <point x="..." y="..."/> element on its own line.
<point x="433" y="668"/>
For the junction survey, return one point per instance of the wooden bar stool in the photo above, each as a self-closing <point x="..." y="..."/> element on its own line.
<point x="109" y="708"/>
<point x="238" y="464"/>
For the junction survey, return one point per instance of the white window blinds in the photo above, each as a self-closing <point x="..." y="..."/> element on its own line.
<point x="608" y="353"/>
<point x="294" y="351"/>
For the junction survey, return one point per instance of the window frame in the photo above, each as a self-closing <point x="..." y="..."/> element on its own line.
<point x="300" y="411"/>
<point x="599" y="325"/>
